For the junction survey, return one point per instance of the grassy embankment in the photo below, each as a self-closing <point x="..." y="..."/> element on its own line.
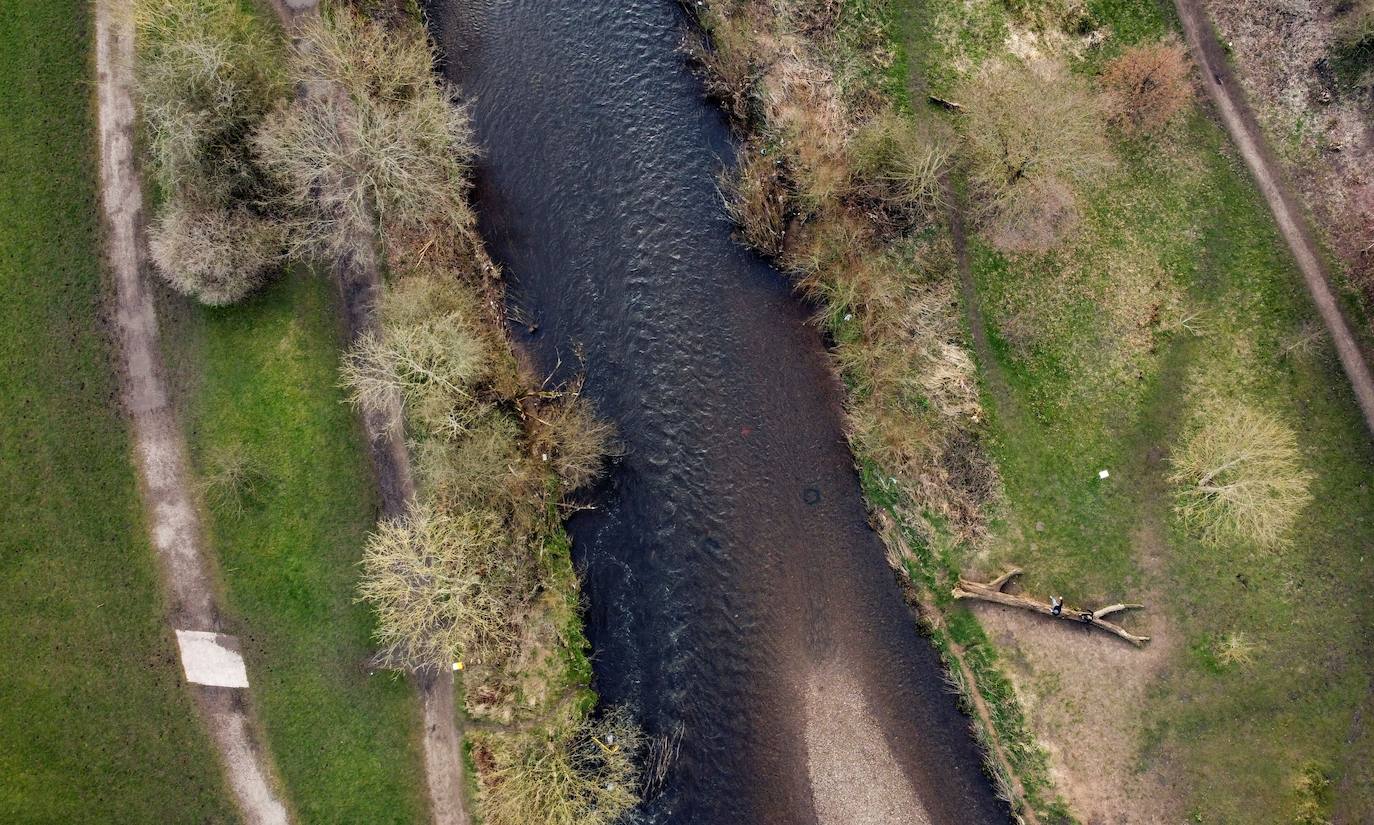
<point x="1102" y="374"/>
<point x="94" y="724"/>
<point x="261" y="390"/>
<point x="1172" y="302"/>
<point x="258" y="386"/>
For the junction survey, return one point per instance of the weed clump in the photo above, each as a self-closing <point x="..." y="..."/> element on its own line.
<point x="235" y="480"/>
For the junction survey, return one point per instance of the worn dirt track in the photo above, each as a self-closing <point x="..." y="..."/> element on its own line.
<point x="358" y="277"/>
<point x="1240" y="122"/>
<point x="160" y="450"/>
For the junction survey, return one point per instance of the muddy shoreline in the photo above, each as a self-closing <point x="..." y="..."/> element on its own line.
<point x="736" y="592"/>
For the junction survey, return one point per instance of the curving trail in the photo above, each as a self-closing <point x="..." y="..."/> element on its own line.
<point x="211" y="661"/>
<point x="359" y="280"/>
<point x="1244" y="129"/>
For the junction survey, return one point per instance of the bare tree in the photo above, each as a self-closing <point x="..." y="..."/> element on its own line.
<point x="396" y="147"/>
<point x="1239" y="474"/>
<point x="216" y="255"/>
<point x="1030" y="136"/>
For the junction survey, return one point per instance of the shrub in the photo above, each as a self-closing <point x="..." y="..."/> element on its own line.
<point x="433" y="351"/>
<point x="481" y="464"/>
<point x="217" y="255"/>
<point x="584" y="773"/>
<point x="206" y="74"/>
<point x="1029" y="137"/>
<point x="1239" y="473"/>
<point x="574" y="439"/>
<point x="395" y="147"/>
<point x="1147" y="86"/>
<point x="445" y="587"/>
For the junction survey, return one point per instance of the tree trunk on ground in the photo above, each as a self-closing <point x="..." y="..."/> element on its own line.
<point x="992" y="592"/>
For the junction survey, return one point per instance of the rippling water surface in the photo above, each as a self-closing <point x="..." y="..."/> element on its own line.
<point x="734" y="587"/>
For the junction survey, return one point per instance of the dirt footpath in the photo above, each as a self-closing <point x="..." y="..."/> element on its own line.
<point x="160" y="450"/>
<point x="359" y="280"/>
<point x="1240" y="122"/>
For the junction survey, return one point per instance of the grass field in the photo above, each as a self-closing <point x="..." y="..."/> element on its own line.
<point x="1102" y="374"/>
<point x="95" y="725"/>
<point x="260" y="378"/>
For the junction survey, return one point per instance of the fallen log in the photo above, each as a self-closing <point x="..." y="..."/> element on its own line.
<point x="948" y="104"/>
<point x="992" y="592"/>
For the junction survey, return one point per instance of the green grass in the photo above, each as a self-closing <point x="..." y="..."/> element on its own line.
<point x="262" y="378"/>
<point x="1088" y="390"/>
<point x="95" y="725"/>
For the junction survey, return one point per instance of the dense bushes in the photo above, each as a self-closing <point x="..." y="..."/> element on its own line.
<point x="207" y="74"/>
<point x="477" y="571"/>
<point x="389" y="142"/>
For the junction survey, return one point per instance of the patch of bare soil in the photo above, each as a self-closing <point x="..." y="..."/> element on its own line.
<point x="854" y="775"/>
<point x="1084" y="693"/>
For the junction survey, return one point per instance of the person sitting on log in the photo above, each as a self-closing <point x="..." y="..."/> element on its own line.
<point x="1056" y="605"/>
<point x="1085" y="617"/>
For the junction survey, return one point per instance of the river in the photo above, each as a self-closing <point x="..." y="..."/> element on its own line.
<point x="735" y="590"/>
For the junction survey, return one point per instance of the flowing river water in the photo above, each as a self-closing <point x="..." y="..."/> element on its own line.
<point x="735" y="590"/>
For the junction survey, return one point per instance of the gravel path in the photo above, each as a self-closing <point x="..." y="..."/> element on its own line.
<point x="1240" y="122"/>
<point x="160" y="449"/>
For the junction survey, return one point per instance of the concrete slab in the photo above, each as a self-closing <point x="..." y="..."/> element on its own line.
<point x="211" y="659"/>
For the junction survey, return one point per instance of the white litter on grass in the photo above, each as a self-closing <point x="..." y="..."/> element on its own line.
<point x="207" y="661"/>
<point x="1103" y="474"/>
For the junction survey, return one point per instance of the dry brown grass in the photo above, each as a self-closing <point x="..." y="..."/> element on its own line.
<point x="755" y="196"/>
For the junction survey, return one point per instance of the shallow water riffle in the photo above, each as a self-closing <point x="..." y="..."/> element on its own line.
<point x="735" y="590"/>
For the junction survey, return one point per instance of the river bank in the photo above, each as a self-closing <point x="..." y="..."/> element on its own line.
<point x="1155" y="301"/>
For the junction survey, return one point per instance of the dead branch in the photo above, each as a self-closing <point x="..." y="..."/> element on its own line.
<point x="948" y="104"/>
<point x="992" y="592"/>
